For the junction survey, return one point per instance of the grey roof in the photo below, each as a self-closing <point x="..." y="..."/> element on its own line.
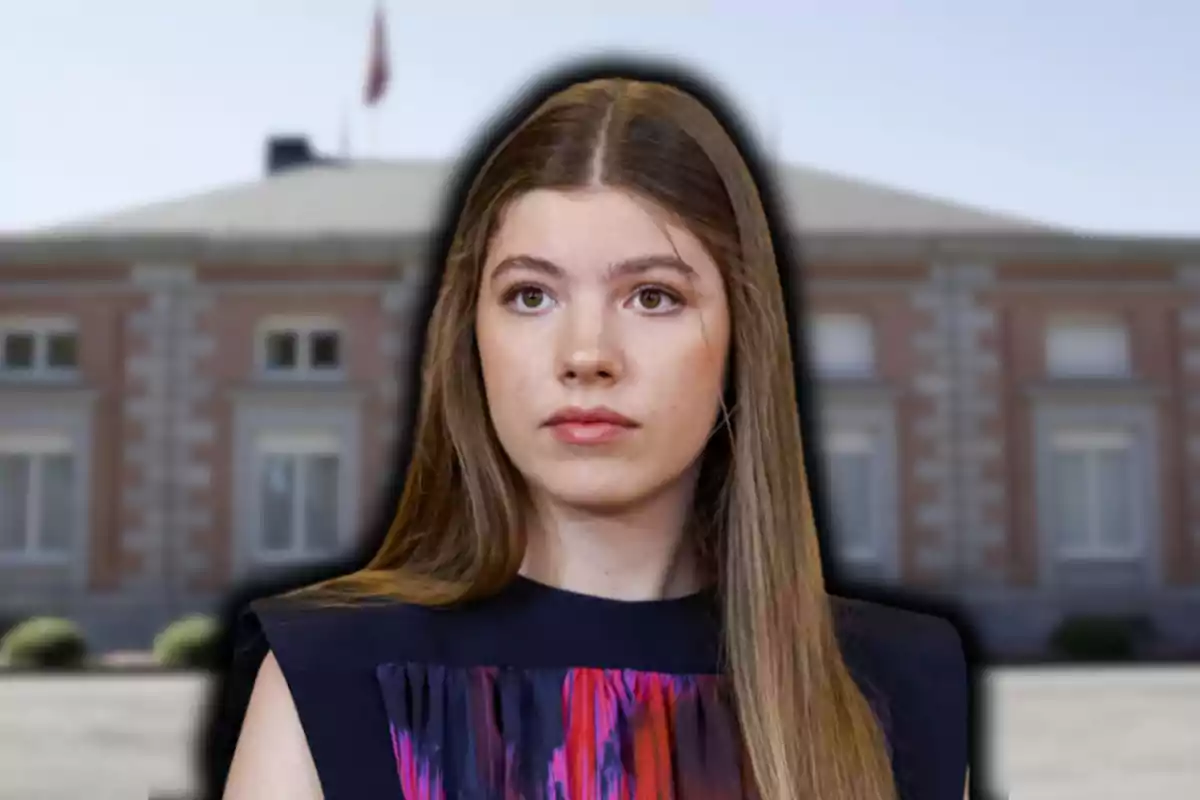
<point x="400" y="198"/>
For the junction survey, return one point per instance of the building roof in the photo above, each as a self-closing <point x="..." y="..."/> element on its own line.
<point x="403" y="198"/>
<point x="324" y="211"/>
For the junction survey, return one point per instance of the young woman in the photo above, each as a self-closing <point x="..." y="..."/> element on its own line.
<point x="603" y="579"/>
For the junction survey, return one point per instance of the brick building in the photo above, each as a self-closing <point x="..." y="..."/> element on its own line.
<point x="198" y="390"/>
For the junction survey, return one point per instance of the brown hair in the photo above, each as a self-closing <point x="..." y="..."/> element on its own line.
<point x="457" y="534"/>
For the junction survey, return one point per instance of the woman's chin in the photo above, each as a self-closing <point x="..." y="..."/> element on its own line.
<point x="605" y="491"/>
<point x="602" y="499"/>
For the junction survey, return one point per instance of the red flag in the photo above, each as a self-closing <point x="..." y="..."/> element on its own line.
<point x="378" y="67"/>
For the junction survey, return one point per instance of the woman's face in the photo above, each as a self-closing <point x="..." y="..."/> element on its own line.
<point x="603" y="332"/>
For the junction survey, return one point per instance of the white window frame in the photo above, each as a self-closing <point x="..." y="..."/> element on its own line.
<point x="295" y="444"/>
<point x="37" y="445"/>
<point x="830" y="332"/>
<point x="1059" y="327"/>
<point x="1091" y="440"/>
<point x="303" y="327"/>
<point x="844" y="441"/>
<point x="41" y="328"/>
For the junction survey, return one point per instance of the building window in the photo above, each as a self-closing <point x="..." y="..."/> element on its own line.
<point x="853" y="479"/>
<point x="38" y="347"/>
<point x="1095" y="494"/>
<point x="37" y="497"/>
<point x="298" y="484"/>
<point x="1083" y="347"/>
<point x="844" y="345"/>
<point x="301" y="348"/>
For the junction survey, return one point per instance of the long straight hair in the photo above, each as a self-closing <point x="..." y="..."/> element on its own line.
<point x="457" y="534"/>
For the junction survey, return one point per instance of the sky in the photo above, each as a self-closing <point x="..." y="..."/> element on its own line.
<point x="1081" y="114"/>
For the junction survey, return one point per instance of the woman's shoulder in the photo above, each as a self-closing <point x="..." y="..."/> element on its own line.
<point x="316" y="634"/>
<point x="328" y="656"/>
<point x="914" y="671"/>
<point x="896" y="637"/>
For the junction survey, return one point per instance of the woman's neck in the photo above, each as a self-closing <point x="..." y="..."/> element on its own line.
<point x="639" y="553"/>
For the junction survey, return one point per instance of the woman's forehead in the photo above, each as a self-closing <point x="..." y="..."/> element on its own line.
<point x="590" y="228"/>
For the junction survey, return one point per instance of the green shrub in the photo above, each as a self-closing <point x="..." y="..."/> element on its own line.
<point x="1099" y="638"/>
<point x="188" y="643"/>
<point x="44" y="643"/>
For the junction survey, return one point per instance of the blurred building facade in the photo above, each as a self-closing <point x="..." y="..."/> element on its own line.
<point x="202" y="390"/>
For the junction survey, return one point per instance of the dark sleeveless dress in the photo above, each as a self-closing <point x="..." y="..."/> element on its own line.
<point x="544" y="693"/>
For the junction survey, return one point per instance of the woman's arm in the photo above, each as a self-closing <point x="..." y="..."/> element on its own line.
<point x="272" y="760"/>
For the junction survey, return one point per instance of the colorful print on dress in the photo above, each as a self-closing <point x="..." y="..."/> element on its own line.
<point x="486" y="733"/>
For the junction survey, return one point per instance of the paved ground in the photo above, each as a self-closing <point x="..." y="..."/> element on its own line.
<point x="1071" y="735"/>
<point x="1060" y="735"/>
<point x="101" y="738"/>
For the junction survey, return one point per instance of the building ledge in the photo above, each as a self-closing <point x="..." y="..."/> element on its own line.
<point x="43" y="394"/>
<point x="1096" y="389"/>
<point x="293" y="393"/>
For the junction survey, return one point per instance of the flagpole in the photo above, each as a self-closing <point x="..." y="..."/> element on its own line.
<point x="378" y="76"/>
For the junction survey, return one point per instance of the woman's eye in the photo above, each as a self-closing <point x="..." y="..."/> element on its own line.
<point x="529" y="298"/>
<point x="651" y="298"/>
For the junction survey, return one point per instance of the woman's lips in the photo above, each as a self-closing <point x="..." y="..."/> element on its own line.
<point x="576" y="425"/>
<point x="588" y="432"/>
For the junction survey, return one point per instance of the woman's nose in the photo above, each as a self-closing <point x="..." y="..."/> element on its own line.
<point x="588" y="348"/>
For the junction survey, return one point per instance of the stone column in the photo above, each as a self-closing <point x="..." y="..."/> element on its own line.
<point x="959" y="464"/>
<point x="191" y="436"/>
<point x="934" y="522"/>
<point x="161" y="389"/>
<point x="978" y="440"/>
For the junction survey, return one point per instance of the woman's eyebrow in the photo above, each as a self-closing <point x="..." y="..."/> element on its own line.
<point x="630" y="266"/>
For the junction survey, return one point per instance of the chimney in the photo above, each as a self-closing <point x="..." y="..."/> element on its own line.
<point x="288" y="152"/>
